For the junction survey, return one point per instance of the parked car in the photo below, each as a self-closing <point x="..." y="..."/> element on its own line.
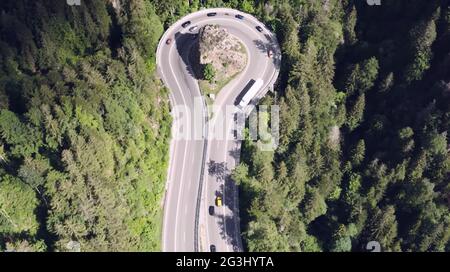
<point x="185" y="24"/>
<point x="260" y="29"/>
<point x="239" y="16"/>
<point x="211" y="14"/>
<point x="219" y="201"/>
<point x="168" y="41"/>
<point x="211" y="210"/>
<point x="269" y="53"/>
<point x="194" y="28"/>
<point x="212" y="248"/>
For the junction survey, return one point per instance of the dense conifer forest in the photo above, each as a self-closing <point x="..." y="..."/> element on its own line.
<point x="84" y="126"/>
<point x="364" y="95"/>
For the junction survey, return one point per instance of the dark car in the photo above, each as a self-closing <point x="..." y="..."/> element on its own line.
<point x="185" y="24"/>
<point x="259" y="29"/>
<point x="239" y="16"/>
<point x="212" y="248"/>
<point x="168" y="41"/>
<point x="211" y="210"/>
<point x="211" y="14"/>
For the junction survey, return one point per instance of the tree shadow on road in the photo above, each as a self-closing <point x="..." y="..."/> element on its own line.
<point x="235" y="153"/>
<point x="218" y="170"/>
<point x="229" y="223"/>
<point x="264" y="46"/>
<point x="187" y="48"/>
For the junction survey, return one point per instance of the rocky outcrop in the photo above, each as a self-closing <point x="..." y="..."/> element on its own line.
<point x="219" y="48"/>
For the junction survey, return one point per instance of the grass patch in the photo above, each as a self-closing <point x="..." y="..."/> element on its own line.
<point x="214" y="87"/>
<point x="208" y="88"/>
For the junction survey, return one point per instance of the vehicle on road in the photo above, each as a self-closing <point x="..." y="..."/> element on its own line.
<point x="211" y="14"/>
<point x="269" y="53"/>
<point x="185" y="24"/>
<point x="185" y="224"/>
<point x="249" y="92"/>
<point x="212" y="248"/>
<point x="235" y="134"/>
<point x="219" y="201"/>
<point x="260" y="29"/>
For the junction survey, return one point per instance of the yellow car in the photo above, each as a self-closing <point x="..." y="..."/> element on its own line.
<point x="219" y="201"/>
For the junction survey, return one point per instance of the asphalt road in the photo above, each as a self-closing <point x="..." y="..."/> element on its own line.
<point x="198" y="141"/>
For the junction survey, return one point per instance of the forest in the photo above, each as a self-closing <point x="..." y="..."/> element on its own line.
<point x="84" y="127"/>
<point x="364" y="103"/>
<point x="364" y="95"/>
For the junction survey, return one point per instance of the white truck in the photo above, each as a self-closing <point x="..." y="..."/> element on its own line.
<point x="250" y="90"/>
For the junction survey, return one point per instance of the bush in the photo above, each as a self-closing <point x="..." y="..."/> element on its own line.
<point x="209" y="73"/>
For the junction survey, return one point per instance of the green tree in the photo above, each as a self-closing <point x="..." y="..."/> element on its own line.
<point x="362" y="76"/>
<point x="349" y="25"/>
<point x="22" y="245"/>
<point x="356" y="112"/>
<point x="314" y="205"/>
<point x="358" y="153"/>
<point x="142" y="30"/>
<point x="422" y="37"/>
<point x="263" y="236"/>
<point x="406" y="139"/>
<point x="209" y="73"/>
<point x="247" y="6"/>
<point x="17" y="206"/>
<point x="382" y="227"/>
<point x="342" y="238"/>
<point x="23" y="139"/>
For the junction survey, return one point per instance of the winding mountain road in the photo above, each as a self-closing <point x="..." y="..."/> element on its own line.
<point x="203" y="149"/>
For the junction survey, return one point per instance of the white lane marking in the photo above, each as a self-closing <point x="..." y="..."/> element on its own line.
<point x="236" y="81"/>
<point x="167" y="203"/>
<point x="185" y="148"/>
<point x="225" y="150"/>
<point x="226" y="98"/>
<point x="172" y="170"/>
<point x="227" y="142"/>
<point x="233" y="86"/>
<point x="195" y="92"/>
<point x="253" y="19"/>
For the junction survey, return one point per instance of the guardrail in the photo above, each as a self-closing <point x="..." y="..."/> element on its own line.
<point x="205" y="144"/>
<point x="201" y="180"/>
